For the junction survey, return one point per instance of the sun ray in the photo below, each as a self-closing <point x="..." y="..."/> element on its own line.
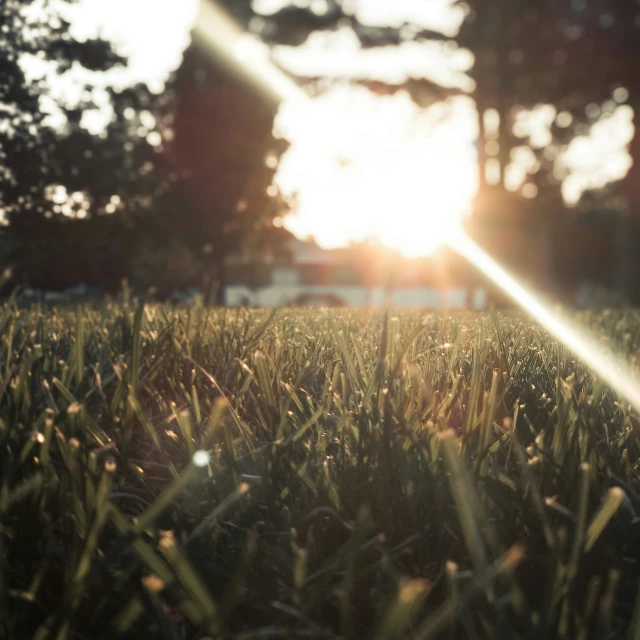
<point x="603" y="362"/>
<point x="241" y="52"/>
<point x="226" y="40"/>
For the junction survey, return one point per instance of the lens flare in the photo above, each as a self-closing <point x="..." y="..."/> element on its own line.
<point x="603" y="362"/>
<point x="246" y="56"/>
<point x="359" y="165"/>
<point x="201" y="458"/>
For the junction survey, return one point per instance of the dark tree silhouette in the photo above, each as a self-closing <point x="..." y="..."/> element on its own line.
<point x="569" y="54"/>
<point x="51" y="240"/>
<point x="220" y="164"/>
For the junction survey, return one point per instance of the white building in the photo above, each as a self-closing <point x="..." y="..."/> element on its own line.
<point x="318" y="277"/>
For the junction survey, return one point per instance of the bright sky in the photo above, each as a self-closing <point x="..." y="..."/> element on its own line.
<point x="339" y="54"/>
<point x="436" y="15"/>
<point x="153" y="34"/>
<point x="381" y="168"/>
<point x="354" y="156"/>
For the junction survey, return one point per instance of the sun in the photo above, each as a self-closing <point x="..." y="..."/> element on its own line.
<point x="363" y="166"/>
<point x="360" y="165"/>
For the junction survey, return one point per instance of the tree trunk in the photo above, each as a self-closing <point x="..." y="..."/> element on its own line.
<point x="623" y="245"/>
<point x="482" y="154"/>
<point x="546" y="234"/>
<point x="213" y="282"/>
<point x="625" y="233"/>
<point x="220" y="284"/>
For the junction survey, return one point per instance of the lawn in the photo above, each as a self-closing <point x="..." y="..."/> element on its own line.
<point x="197" y="473"/>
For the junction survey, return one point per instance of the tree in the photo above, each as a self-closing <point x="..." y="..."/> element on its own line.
<point x="573" y="56"/>
<point x="219" y="165"/>
<point x="167" y="266"/>
<point x="26" y="141"/>
<point x="70" y="196"/>
<point x="538" y="53"/>
<point x="569" y="55"/>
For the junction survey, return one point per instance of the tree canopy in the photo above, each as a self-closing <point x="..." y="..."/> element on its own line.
<point x="57" y="171"/>
<point x="571" y="54"/>
<point x="219" y="164"/>
<point x="192" y="169"/>
<point x="188" y="170"/>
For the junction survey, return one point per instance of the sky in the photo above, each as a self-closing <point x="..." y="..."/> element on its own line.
<point x="339" y="175"/>
<point x="152" y="34"/>
<point x="437" y="15"/>
<point x="339" y="55"/>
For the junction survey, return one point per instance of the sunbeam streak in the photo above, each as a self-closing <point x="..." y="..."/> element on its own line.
<point x="240" y="52"/>
<point x="611" y="368"/>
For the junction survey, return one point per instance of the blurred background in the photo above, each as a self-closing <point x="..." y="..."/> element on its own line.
<point x="145" y="148"/>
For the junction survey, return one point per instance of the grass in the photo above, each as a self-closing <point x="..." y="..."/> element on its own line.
<point x="415" y="476"/>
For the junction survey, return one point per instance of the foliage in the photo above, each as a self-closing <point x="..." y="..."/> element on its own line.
<point x="58" y="179"/>
<point x="218" y="199"/>
<point x="568" y="54"/>
<point x="170" y="266"/>
<point x="27" y="141"/>
<point x="408" y="477"/>
<point x="571" y="55"/>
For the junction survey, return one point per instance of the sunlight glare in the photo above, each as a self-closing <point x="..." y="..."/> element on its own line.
<point x="363" y="166"/>
<point x="244" y="54"/>
<point x="611" y="368"/>
<point x="360" y="166"/>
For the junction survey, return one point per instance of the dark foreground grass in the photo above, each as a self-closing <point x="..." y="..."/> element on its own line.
<point x="369" y="477"/>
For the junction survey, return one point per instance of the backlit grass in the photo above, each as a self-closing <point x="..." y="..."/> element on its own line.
<point x="370" y="475"/>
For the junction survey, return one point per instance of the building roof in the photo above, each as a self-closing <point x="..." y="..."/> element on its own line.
<point x="308" y="252"/>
